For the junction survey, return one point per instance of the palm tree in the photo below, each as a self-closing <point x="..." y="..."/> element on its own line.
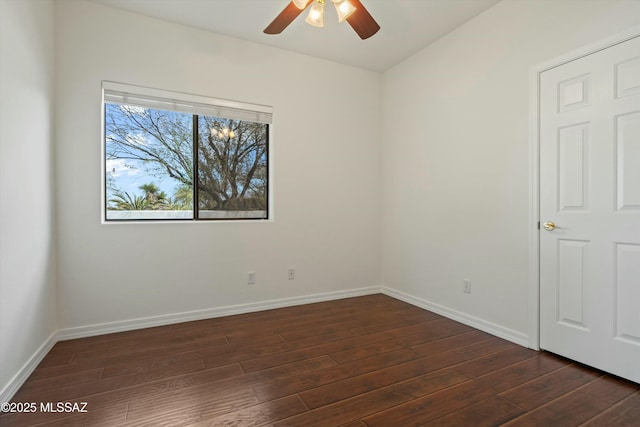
<point x="126" y="202"/>
<point x="156" y="199"/>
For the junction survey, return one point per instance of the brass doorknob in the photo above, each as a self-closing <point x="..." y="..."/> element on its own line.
<point x="549" y="226"/>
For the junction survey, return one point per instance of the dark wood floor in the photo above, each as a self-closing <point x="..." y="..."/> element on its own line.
<point x="367" y="361"/>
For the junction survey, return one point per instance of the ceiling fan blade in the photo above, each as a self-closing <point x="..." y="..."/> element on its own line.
<point x="362" y="21"/>
<point x="286" y="17"/>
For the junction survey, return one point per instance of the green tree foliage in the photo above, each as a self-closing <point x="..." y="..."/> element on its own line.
<point x="182" y="198"/>
<point x="152" y="199"/>
<point x="127" y="202"/>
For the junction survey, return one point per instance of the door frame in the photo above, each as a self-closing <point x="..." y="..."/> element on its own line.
<point x="534" y="167"/>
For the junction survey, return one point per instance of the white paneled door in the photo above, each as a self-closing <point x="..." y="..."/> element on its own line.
<point x="590" y="210"/>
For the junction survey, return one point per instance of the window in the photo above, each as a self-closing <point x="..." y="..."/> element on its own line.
<point x="171" y="156"/>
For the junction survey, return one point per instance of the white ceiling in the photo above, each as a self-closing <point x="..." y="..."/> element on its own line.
<point x="407" y="26"/>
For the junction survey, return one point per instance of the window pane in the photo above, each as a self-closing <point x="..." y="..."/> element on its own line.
<point x="149" y="163"/>
<point x="232" y="168"/>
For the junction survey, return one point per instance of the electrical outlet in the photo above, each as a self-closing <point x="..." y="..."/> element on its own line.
<point x="292" y="273"/>
<point x="251" y="278"/>
<point x="467" y="286"/>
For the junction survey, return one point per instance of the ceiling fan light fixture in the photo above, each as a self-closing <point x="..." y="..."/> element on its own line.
<point x="344" y="9"/>
<point x="300" y="4"/>
<point x="352" y="11"/>
<point x="316" y="14"/>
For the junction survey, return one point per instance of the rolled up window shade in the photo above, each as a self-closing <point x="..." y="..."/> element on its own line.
<point x="139" y="96"/>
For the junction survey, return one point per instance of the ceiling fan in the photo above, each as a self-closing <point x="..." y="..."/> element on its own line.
<point x="350" y="10"/>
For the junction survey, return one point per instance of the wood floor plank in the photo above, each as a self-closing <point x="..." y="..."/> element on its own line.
<point x="350" y="355"/>
<point x="484" y="348"/>
<point x="103" y="402"/>
<point x="140" y="336"/>
<point x="182" y="393"/>
<point x="298" y="383"/>
<point x="258" y="415"/>
<point x="626" y="413"/>
<point x="357" y="423"/>
<point x="195" y="410"/>
<point x="332" y="322"/>
<point x="191" y="395"/>
<point x="355" y="362"/>
<point x="431" y="325"/>
<point x="72" y="379"/>
<point x="317" y="325"/>
<point x="423" y="410"/>
<point x="610" y="389"/>
<point x="351" y="409"/>
<point x="123" y="368"/>
<point x="270" y="361"/>
<point x="190" y="407"/>
<point x="92" y="358"/>
<point x="326" y="394"/>
<point x="382" y="324"/>
<point x="496" y="360"/>
<point x="221" y="359"/>
<point x="429" y="331"/>
<point x="339" y="390"/>
<point x="548" y="387"/>
<point x="114" y="415"/>
<point x="490" y="412"/>
<point x="451" y="342"/>
<point x="87" y="388"/>
<point x="571" y="409"/>
<point x="58" y="358"/>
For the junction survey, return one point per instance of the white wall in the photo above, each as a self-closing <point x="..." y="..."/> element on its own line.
<point x="27" y="272"/>
<point x="326" y="150"/>
<point x="455" y="154"/>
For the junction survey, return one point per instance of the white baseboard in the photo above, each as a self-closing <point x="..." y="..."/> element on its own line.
<point x="19" y="378"/>
<point x="210" y="313"/>
<point x="475" y="322"/>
